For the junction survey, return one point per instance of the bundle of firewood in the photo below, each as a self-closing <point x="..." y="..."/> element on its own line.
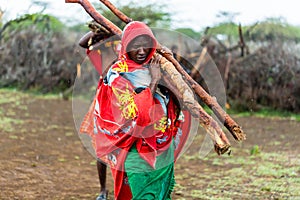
<point x="181" y="83"/>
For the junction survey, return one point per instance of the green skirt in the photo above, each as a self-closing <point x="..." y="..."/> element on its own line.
<point x="148" y="183"/>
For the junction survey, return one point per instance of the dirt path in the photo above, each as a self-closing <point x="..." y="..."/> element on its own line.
<point x="42" y="157"/>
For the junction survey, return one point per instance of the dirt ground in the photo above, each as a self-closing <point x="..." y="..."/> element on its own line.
<point x="42" y="157"/>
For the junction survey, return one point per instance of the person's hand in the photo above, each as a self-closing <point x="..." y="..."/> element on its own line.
<point x="164" y="50"/>
<point x="155" y="68"/>
<point x="155" y="72"/>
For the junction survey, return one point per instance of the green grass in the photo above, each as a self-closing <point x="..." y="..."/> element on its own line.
<point x="256" y="176"/>
<point x="15" y="101"/>
<point x="13" y="92"/>
<point x="267" y="112"/>
<point x="8" y="124"/>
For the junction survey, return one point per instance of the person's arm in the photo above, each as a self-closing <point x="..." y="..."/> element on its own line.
<point x="92" y="39"/>
<point x="86" y="40"/>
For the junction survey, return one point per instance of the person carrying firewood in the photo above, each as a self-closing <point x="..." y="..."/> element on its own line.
<point x="139" y="127"/>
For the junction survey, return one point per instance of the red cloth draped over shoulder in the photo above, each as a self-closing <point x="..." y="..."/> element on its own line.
<point x="95" y="57"/>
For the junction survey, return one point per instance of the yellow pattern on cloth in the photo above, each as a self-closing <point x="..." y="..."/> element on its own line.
<point x="122" y="66"/>
<point x="161" y="125"/>
<point x="126" y="101"/>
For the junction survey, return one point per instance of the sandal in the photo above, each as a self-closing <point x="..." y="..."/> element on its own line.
<point x="103" y="195"/>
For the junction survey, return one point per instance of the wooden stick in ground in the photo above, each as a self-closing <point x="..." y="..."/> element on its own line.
<point x="229" y="123"/>
<point x="199" y="62"/>
<point x="242" y="43"/>
<point x="227" y="66"/>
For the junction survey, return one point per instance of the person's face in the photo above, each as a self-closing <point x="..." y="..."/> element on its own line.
<point x="139" y="48"/>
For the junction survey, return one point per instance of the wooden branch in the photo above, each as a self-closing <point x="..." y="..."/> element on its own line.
<point x="221" y="142"/>
<point x="210" y="101"/>
<point x="173" y="78"/>
<point x="116" y="11"/>
<point x="97" y="16"/>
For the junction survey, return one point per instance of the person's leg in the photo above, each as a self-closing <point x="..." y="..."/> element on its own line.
<point x="101" y="168"/>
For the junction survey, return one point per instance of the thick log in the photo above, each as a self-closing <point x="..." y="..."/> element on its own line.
<point x="186" y="95"/>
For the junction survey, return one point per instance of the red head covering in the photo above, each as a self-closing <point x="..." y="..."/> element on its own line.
<point x="133" y="30"/>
